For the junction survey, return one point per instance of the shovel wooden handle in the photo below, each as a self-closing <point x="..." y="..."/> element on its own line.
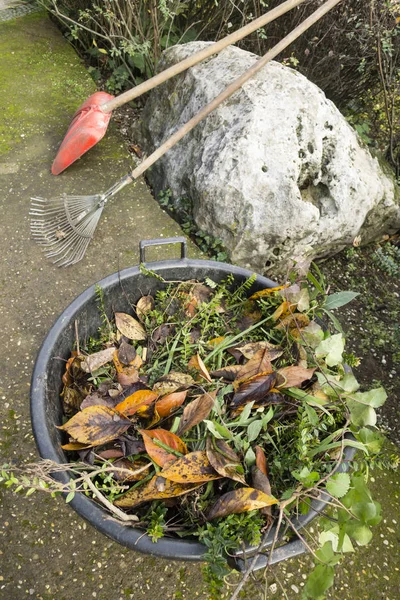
<point x="192" y="60"/>
<point x="233" y="87"/>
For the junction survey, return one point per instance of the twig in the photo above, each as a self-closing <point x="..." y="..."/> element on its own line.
<point x="77" y="337"/>
<point x="116" y="511"/>
<point x="250" y="568"/>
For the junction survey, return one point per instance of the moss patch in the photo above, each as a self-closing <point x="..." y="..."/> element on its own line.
<point x="51" y="80"/>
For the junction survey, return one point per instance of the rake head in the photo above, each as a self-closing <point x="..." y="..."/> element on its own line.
<point x="64" y="226"/>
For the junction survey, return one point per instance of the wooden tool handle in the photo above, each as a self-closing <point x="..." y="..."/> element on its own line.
<point x="192" y="60"/>
<point x="233" y="87"/>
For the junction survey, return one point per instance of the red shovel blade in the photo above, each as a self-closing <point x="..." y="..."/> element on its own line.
<point x="88" y="126"/>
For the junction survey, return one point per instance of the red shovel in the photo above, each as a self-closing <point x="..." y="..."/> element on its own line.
<point x="91" y="120"/>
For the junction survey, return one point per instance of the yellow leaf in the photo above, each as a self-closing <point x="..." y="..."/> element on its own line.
<point x="156" y="489"/>
<point x="96" y="425"/>
<point x="129" y="327"/>
<point x="192" y="468"/>
<point x="132" y="403"/>
<point x="240" y="500"/>
<point x="267" y="292"/>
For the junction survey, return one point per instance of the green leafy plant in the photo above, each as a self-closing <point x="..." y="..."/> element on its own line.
<point x="387" y="258"/>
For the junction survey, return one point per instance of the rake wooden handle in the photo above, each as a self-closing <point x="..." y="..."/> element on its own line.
<point x="192" y="60"/>
<point x="233" y="87"/>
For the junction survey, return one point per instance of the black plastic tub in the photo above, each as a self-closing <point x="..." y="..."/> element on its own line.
<point x="121" y="290"/>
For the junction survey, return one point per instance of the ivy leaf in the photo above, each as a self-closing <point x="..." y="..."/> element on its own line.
<point x="359" y="533"/>
<point x="327" y="555"/>
<point x="374" y="398"/>
<point x="313" y="334"/>
<point x="318" y="582"/>
<point x="332" y="349"/>
<point x="340" y="299"/>
<point x="338" y="485"/>
<point x="360" y="414"/>
<point x="371" y="439"/>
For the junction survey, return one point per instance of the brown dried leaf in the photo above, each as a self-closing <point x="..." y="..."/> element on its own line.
<point x="259" y="363"/>
<point x="67" y="378"/>
<point x="238" y="501"/>
<point x="273" y="397"/>
<point x="126" y="353"/>
<point x="111" y="453"/>
<point x="195" y="412"/>
<point x="190" y="305"/>
<point x="295" y="376"/>
<point x="129" y="327"/>
<point x="224" y="460"/>
<point x="131" y="404"/>
<point x="96" y="425"/>
<point x="229" y="373"/>
<point x="168" y="403"/>
<point x="254" y="389"/>
<point x="173" y="382"/>
<point x="250" y="349"/>
<point x="97" y="399"/>
<point x="74" y="446"/>
<point x="151" y="491"/>
<point x="192" y="468"/>
<point x="261" y="482"/>
<point x="130" y="375"/>
<point x="145" y="304"/>
<point x="161" y="333"/>
<point x="261" y="460"/>
<point x="196" y="363"/>
<point x="202" y="292"/>
<point x="73" y="398"/>
<point x="97" y="360"/>
<point x="160" y="455"/>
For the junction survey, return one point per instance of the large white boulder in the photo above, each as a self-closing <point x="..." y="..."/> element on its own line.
<point x="276" y="172"/>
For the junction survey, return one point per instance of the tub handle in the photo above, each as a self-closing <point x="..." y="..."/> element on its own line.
<point x="162" y="242"/>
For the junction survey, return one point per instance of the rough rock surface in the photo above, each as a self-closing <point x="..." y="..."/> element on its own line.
<point x="276" y="172"/>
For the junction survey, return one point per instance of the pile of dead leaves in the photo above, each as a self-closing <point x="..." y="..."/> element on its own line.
<point x="184" y="397"/>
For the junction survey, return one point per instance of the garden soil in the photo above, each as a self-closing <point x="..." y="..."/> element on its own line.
<point x="47" y="552"/>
